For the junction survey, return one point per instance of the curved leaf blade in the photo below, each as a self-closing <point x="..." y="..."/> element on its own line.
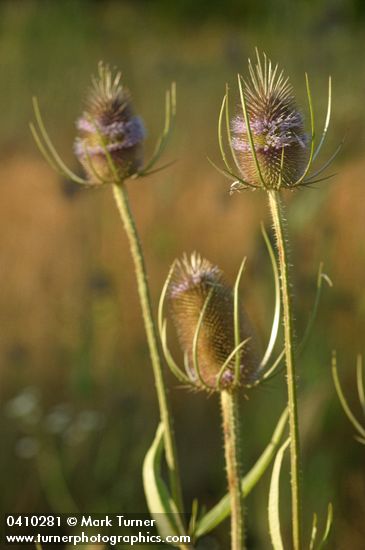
<point x="345" y="406"/>
<point x="274" y="500"/>
<point x="314" y="532"/>
<point x="160" y="504"/>
<point x="327" y="528"/>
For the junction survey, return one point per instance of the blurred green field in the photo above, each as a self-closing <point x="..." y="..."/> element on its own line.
<point x="78" y="410"/>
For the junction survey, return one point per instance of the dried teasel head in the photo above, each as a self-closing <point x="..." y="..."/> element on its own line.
<point x="109" y="144"/>
<point x="202" y="308"/>
<point x="276" y="126"/>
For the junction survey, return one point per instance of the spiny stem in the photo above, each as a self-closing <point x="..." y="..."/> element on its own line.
<point x="121" y="198"/>
<point x="230" y="415"/>
<point x="277" y="217"/>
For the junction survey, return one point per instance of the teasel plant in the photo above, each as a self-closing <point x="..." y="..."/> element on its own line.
<point x="220" y="355"/>
<point x="270" y="150"/>
<point x="109" y="145"/>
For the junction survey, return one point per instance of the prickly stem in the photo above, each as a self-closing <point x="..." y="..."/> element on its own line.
<point x="277" y="217"/>
<point x="231" y="432"/>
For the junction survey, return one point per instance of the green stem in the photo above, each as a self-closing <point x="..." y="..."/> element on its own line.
<point x="277" y="217"/>
<point x="230" y="415"/>
<point x="121" y="198"/>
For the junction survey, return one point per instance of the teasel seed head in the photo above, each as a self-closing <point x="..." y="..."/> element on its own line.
<point x="109" y="131"/>
<point x="196" y="284"/>
<point x="276" y="125"/>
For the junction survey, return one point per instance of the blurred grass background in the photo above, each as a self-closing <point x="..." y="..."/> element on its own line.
<point x="78" y="407"/>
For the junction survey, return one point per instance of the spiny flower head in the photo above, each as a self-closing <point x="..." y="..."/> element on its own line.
<point x="277" y="129"/>
<point x="109" y="128"/>
<point x="196" y="284"/>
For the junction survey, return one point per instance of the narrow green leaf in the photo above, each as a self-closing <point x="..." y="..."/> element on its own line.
<point x="276" y="319"/>
<point x="194" y="515"/>
<point x="43" y="150"/>
<point x="232" y="175"/>
<point x="163" y="296"/>
<point x="220" y="136"/>
<point x="360" y="381"/>
<point x="170" y="113"/>
<point x="52" y="150"/>
<point x="173" y="366"/>
<point x="327" y="121"/>
<point x="311" y="179"/>
<point x="228" y="131"/>
<point x="327" y="528"/>
<point x="236" y="322"/>
<point x="162" y="329"/>
<point x="314" y="532"/>
<point x="160" y="504"/>
<point x="196" y="340"/>
<point x="311" y="114"/>
<point x="274" y="499"/>
<point x="356" y="424"/>
<point x="153" y="170"/>
<point x="249" y="132"/>
<point x="222" y="509"/>
<point x="272" y="370"/>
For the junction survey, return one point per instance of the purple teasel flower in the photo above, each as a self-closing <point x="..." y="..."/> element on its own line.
<point x="109" y="132"/>
<point x="268" y="144"/>
<point x="277" y="129"/>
